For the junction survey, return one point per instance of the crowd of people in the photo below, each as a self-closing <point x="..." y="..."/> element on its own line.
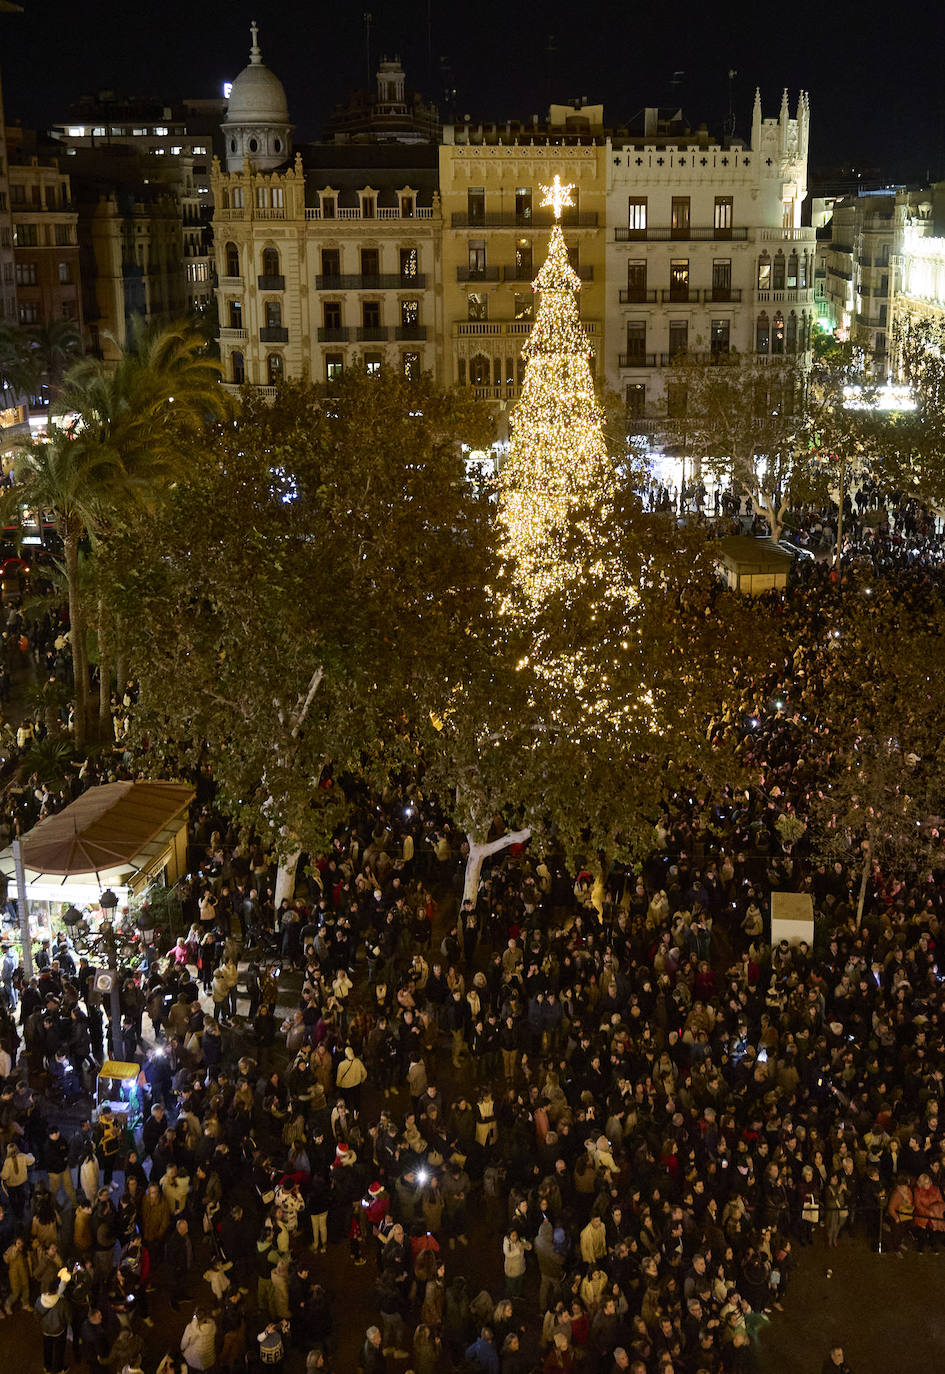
<point x="585" y="1124"/>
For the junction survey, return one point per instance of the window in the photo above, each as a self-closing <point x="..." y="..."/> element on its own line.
<point x="331" y="262"/>
<point x="368" y="204"/>
<point x="270" y="262"/>
<point x="678" y="338"/>
<point x="409" y="262"/>
<point x="63" y="235"/>
<point x="787" y="214"/>
<point x="523" y="203"/>
<point x="138" y="133"/>
<point x="636" y="340"/>
<point x="762" y="334"/>
<point x="26" y="274"/>
<point x="372" y="364"/>
<point x="764" y="273"/>
<point x="67" y="310"/>
<point x="636" y="400"/>
<point x="254" y="145"/>
<point x="232" y="257"/>
<point x="636" y="279"/>
<point x="371" y="314"/>
<point x="274" y="368"/>
<point x="334" y="366"/>
<point x="370" y="262"/>
<point x="407" y="204"/>
<point x="262" y="197"/>
<point x="409" y="313"/>
<point x="17" y="194"/>
<point x="477" y="258"/>
<point x="677" y="401"/>
<point x="477" y="305"/>
<point x="476" y="204"/>
<point x="278" y="198"/>
<point x="25" y="236"/>
<point x="790" y="337"/>
<point x="328" y="207"/>
<point x="238" y="368"/>
<point x="719" y="337"/>
<point x="721" y="279"/>
<point x="777" y="276"/>
<point x="65" y="274"/>
<point x="524" y="308"/>
<point x="236" y="315"/>
<point x="176" y="149"/>
<point x="679" y="217"/>
<point x="523" y="260"/>
<point x="636" y="216"/>
<point x="29" y="312"/>
<point x="480" y="371"/>
<point x="792" y="272"/>
<point x="412" y="366"/>
<point x="722" y="218"/>
<point x="679" y="279"/>
<point x="237" y="197"/>
<point x="273" y="315"/>
<point x="777" y="334"/>
<point x="331" y="313"/>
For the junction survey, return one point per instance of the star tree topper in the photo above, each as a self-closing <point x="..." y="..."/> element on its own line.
<point x="557" y="196"/>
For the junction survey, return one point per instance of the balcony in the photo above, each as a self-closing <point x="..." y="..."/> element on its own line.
<point x="333" y="334"/>
<point x="389" y="281"/>
<point x="803" y="235"/>
<point x="268" y="393"/>
<point x="231" y="283"/>
<point x="543" y="220"/>
<point x="229" y="335"/>
<point x="270" y="283"/>
<point x="518" y="273"/>
<point x="633" y="295"/>
<point x="793" y="296"/>
<point x="477" y="274"/>
<point x="638" y="360"/>
<point x="722" y="295"/>
<point x="497" y="393"/>
<point x="405" y="332"/>
<point x="372" y="333"/>
<point x="385" y="212"/>
<point x="274" y="333"/>
<point x="664" y="233"/>
<point x="679" y="295"/>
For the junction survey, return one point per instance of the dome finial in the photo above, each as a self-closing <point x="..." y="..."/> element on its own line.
<point x="255" y="55"/>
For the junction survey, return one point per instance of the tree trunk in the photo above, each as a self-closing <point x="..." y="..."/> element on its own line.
<point x="478" y="853"/>
<point x="70" y="544"/>
<point x="105" y="728"/>
<point x="121" y="659"/>
<point x="864" y="878"/>
<point x="285" y="877"/>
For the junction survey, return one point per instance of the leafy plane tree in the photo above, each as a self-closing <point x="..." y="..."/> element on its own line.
<point x="319" y="564"/>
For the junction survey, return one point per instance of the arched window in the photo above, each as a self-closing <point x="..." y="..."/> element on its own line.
<point x="792" y="272"/>
<point x="270" y="262"/>
<point x="274" y="368"/>
<point x="479" y="371"/>
<point x="238" y="368"/>
<point x="777" y="279"/>
<point x="232" y="145"/>
<point x="764" y="273"/>
<point x="762" y="334"/>
<point x="791" y="333"/>
<point x="254" y="145"/>
<point x="225" y="198"/>
<point x="237" y="198"/>
<point x="232" y="254"/>
<point x="277" y="144"/>
<point x="777" y="334"/>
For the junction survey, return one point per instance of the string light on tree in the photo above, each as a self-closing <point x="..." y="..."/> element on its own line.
<point x="557" y="463"/>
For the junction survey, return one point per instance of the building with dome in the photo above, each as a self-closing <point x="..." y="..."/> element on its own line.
<point x="256" y="128"/>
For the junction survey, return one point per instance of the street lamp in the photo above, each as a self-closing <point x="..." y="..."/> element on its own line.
<point x="108" y="902"/>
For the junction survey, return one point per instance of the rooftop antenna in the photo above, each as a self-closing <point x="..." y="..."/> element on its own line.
<point x="367" y="45"/>
<point x="730" y="120"/>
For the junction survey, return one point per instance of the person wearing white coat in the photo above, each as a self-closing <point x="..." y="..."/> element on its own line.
<point x="198" y="1344"/>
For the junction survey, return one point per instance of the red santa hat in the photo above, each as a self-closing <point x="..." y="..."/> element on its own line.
<point x="376" y="1189"/>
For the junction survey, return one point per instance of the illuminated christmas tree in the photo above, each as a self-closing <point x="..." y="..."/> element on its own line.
<point x="557" y="467"/>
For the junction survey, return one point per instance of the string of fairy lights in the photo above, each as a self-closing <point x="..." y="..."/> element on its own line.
<point x="558" y="486"/>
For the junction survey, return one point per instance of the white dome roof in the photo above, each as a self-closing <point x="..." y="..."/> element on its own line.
<point x="257" y="96"/>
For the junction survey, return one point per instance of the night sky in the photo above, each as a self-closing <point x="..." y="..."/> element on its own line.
<point x="874" y="75"/>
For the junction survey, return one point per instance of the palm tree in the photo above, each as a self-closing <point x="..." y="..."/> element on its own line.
<point x="55" y="345"/>
<point x="19" y="372"/>
<point x="122" y="451"/>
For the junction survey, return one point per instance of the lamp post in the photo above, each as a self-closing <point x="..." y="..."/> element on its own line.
<point x="108" y="902"/>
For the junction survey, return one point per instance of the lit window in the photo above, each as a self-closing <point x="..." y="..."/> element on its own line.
<point x="139" y="133"/>
<point x="160" y="131"/>
<point x="412" y="366"/>
<point x="98" y="132"/>
<point x="199" y="150"/>
<point x="76" y="131"/>
<point x="176" y="149"/>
